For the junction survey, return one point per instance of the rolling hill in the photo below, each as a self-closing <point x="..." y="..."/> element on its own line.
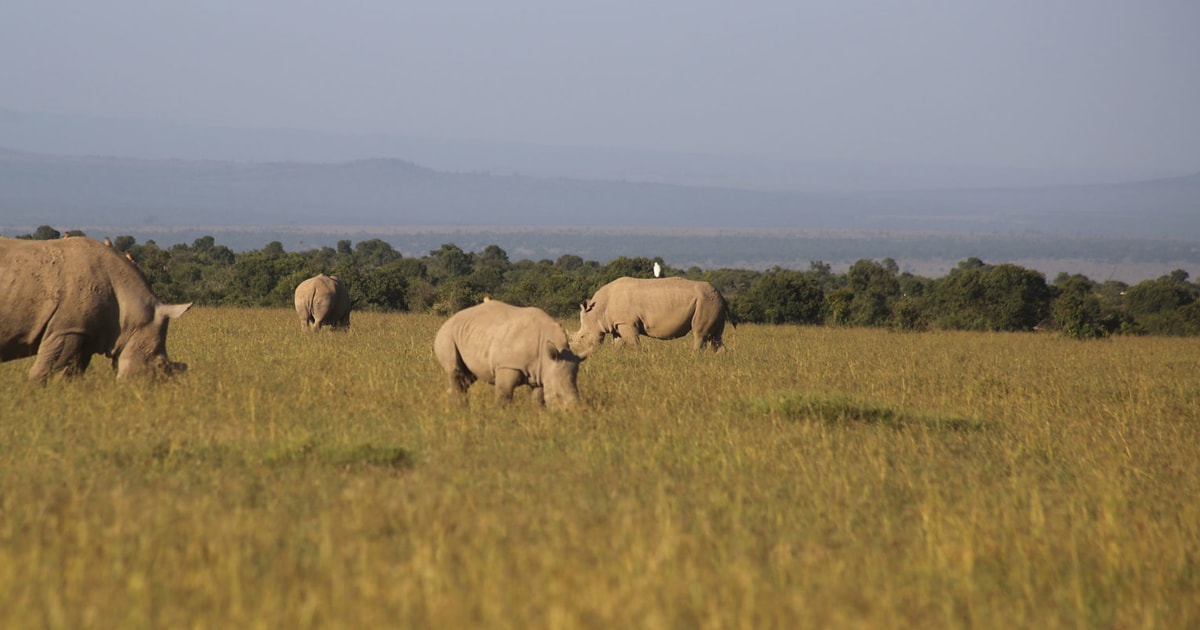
<point x="69" y="190"/>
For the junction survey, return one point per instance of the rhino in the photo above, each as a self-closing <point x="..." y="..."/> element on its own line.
<point x="660" y="308"/>
<point x="65" y="300"/>
<point x="323" y="301"/>
<point x="508" y="346"/>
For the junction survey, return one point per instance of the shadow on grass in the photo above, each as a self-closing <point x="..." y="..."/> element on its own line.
<point x="310" y="451"/>
<point x="302" y="452"/>
<point x="840" y="410"/>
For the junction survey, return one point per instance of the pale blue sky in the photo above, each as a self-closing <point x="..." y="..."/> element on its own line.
<point x="1018" y="83"/>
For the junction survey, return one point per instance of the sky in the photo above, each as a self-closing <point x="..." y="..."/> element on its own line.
<point x="1015" y="83"/>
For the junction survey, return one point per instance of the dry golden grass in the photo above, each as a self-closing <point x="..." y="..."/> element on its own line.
<point x="809" y="477"/>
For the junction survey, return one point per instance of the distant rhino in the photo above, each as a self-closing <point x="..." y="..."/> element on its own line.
<point x="661" y="308"/>
<point x="67" y="299"/>
<point x="508" y="346"/>
<point x="323" y="301"/>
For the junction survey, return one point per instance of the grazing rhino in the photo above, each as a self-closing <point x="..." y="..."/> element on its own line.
<point x="507" y="346"/>
<point x="661" y="308"/>
<point x="68" y="299"/>
<point x="323" y="301"/>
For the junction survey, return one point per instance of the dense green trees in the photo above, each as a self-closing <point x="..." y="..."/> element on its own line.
<point x="780" y="296"/>
<point x="1078" y="310"/>
<point x="973" y="296"/>
<point x="978" y="296"/>
<point x="1166" y="305"/>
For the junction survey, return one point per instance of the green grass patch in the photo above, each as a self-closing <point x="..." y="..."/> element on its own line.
<point x="840" y="410"/>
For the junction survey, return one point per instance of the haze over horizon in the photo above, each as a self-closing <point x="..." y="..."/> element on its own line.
<point x="1068" y="85"/>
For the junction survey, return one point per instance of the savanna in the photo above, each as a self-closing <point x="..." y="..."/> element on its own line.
<point x="807" y="477"/>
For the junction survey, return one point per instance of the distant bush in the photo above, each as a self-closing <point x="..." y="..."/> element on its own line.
<point x="780" y="296"/>
<point x="973" y="296"/>
<point x="977" y="296"/>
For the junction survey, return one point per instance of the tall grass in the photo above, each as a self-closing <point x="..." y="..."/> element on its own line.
<point x="808" y="477"/>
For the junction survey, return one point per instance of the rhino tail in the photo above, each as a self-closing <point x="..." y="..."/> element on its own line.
<point x="730" y="314"/>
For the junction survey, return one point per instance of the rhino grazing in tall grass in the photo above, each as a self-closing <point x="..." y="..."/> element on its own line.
<point x="65" y="300"/>
<point x="323" y="301"/>
<point x="660" y="308"/>
<point x="508" y="346"/>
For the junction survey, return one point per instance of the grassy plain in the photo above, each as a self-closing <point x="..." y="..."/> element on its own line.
<point x="809" y="477"/>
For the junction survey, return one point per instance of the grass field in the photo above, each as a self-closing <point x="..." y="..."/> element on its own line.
<point x="809" y="477"/>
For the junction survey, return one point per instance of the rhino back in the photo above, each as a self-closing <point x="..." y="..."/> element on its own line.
<point x="660" y="303"/>
<point x="323" y="299"/>
<point x="30" y="291"/>
<point x="304" y="292"/>
<point x="497" y="335"/>
<point x="308" y="295"/>
<point x="72" y="285"/>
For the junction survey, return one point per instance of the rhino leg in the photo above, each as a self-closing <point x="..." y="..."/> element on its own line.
<point x="459" y="381"/>
<point x="506" y="381"/>
<point x="539" y="396"/>
<point x="708" y="341"/>
<point x="626" y="334"/>
<point x="60" y="354"/>
<point x="708" y="334"/>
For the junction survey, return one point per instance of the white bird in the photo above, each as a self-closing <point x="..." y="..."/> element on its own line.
<point x="657" y="269"/>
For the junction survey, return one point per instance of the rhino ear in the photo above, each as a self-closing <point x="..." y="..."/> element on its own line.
<point x="174" y="311"/>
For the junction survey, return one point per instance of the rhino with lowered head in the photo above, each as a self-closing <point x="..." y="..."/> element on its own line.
<point x="508" y="346"/>
<point x="323" y="301"/>
<point x="661" y="308"/>
<point x="65" y="300"/>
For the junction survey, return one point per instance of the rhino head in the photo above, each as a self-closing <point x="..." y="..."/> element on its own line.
<point x="144" y="351"/>
<point x="591" y="332"/>
<point x="559" y="370"/>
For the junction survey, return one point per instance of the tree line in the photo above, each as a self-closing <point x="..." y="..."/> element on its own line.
<point x="973" y="296"/>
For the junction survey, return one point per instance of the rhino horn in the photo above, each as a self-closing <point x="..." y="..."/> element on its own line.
<point x="174" y="311"/>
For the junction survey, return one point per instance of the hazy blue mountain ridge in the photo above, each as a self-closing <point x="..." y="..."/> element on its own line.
<point x="77" y="135"/>
<point x="38" y="188"/>
<point x="64" y="190"/>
